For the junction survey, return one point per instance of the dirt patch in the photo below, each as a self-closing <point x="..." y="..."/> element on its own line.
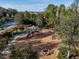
<point x="44" y="44"/>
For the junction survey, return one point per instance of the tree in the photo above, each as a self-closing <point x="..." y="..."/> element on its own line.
<point x="76" y="2"/>
<point x="69" y="29"/>
<point x="50" y="14"/>
<point x="73" y="9"/>
<point x="27" y="15"/>
<point x="19" y="17"/>
<point x="2" y="12"/>
<point x="11" y="12"/>
<point x="2" y="43"/>
<point x="7" y="37"/>
<point x="61" y="10"/>
<point x="33" y="17"/>
<point x="1" y="56"/>
<point x="40" y="20"/>
<point x="23" y="51"/>
<point x="2" y="21"/>
<point x="28" y="22"/>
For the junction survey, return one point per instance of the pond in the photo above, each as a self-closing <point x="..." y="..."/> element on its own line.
<point x="8" y="23"/>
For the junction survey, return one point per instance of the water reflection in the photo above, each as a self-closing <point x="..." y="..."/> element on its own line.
<point x="7" y="23"/>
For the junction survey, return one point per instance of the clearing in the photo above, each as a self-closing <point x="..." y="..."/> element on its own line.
<point x="45" y="42"/>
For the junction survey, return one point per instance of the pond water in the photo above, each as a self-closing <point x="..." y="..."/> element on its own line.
<point x="8" y="23"/>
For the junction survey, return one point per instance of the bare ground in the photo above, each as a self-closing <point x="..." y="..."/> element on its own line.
<point x="43" y="40"/>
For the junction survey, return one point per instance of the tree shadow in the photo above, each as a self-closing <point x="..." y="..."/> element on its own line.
<point x="35" y="42"/>
<point x="36" y="35"/>
<point x="47" y="46"/>
<point x="40" y="35"/>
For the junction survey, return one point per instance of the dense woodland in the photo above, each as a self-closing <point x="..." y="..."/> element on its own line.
<point x="63" y="20"/>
